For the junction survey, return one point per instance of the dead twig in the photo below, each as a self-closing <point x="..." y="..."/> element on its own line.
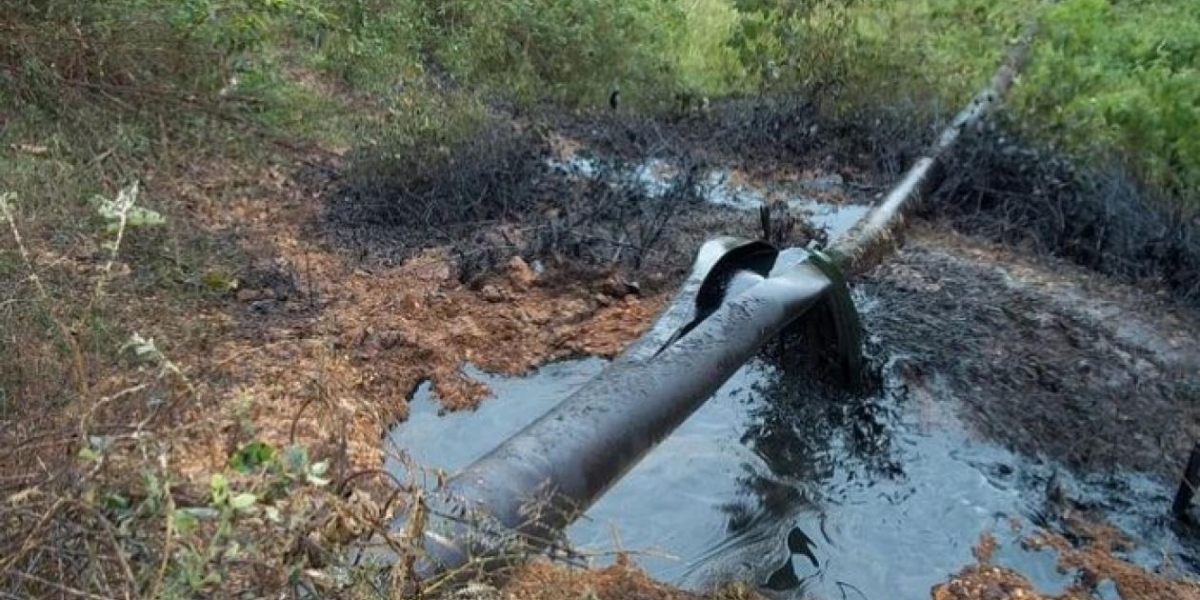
<point x="60" y="587"/>
<point x="30" y="540"/>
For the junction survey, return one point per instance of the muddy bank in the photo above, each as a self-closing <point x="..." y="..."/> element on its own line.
<point x="1047" y="357"/>
<point x="500" y="193"/>
<point x="605" y="190"/>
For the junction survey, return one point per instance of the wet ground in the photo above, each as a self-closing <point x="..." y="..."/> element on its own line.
<point x="812" y="495"/>
<point x="1015" y="395"/>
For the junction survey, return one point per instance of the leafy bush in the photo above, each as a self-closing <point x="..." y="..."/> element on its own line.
<point x="793" y="42"/>
<point x="1123" y="77"/>
<point x="562" y="49"/>
<point x="372" y="44"/>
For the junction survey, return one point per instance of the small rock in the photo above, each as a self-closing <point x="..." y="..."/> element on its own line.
<point x="520" y="274"/>
<point x="491" y="294"/>
<point x="248" y="295"/>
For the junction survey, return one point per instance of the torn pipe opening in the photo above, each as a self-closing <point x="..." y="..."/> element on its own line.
<point x="517" y="499"/>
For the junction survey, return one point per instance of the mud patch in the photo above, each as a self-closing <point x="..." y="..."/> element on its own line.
<point x="501" y="194"/>
<point x="765" y="135"/>
<point x="317" y="347"/>
<point x="608" y="190"/>
<point x="1053" y="362"/>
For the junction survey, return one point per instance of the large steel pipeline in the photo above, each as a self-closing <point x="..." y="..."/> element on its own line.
<point x="518" y="498"/>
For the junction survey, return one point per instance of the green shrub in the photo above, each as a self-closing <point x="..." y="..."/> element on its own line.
<point x="1122" y="78"/>
<point x="374" y="45"/>
<point x="565" y="50"/>
<point x="793" y="42"/>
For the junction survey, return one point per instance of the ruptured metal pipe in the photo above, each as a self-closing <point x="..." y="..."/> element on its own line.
<point x="519" y="497"/>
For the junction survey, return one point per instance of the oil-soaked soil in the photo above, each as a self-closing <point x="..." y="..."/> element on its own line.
<point x="813" y="495"/>
<point x="494" y="255"/>
<point x="1045" y="357"/>
<point x="810" y="493"/>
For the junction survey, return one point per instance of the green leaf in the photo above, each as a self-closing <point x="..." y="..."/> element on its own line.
<point x="89" y="454"/>
<point x="250" y="457"/>
<point x="319" y="468"/>
<point x="143" y="217"/>
<point x="184" y="522"/>
<point x="316" y="473"/>
<point x="114" y="501"/>
<point x="219" y="281"/>
<point x="218" y="488"/>
<point x="243" y="501"/>
<point x="154" y="487"/>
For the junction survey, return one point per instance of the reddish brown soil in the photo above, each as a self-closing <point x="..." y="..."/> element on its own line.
<point x="338" y="358"/>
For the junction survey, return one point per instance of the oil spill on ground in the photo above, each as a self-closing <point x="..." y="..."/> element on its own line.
<point x="807" y="492"/>
<point x="875" y="498"/>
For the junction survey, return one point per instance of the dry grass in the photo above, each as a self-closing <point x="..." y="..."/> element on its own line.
<point x="308" y="350"/>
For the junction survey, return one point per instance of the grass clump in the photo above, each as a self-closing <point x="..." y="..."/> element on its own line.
<point x="1122" y="79"/>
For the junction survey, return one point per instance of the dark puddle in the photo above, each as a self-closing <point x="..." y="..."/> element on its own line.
<point x="720" y="187"/>
<point x="806" y="493"/>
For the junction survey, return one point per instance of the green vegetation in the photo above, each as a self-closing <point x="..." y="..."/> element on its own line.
<point x="1108" y="79"/>
<point x="1123" y="78"/>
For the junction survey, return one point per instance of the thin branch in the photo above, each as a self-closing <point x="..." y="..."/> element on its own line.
<point x="62" y="588"/>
